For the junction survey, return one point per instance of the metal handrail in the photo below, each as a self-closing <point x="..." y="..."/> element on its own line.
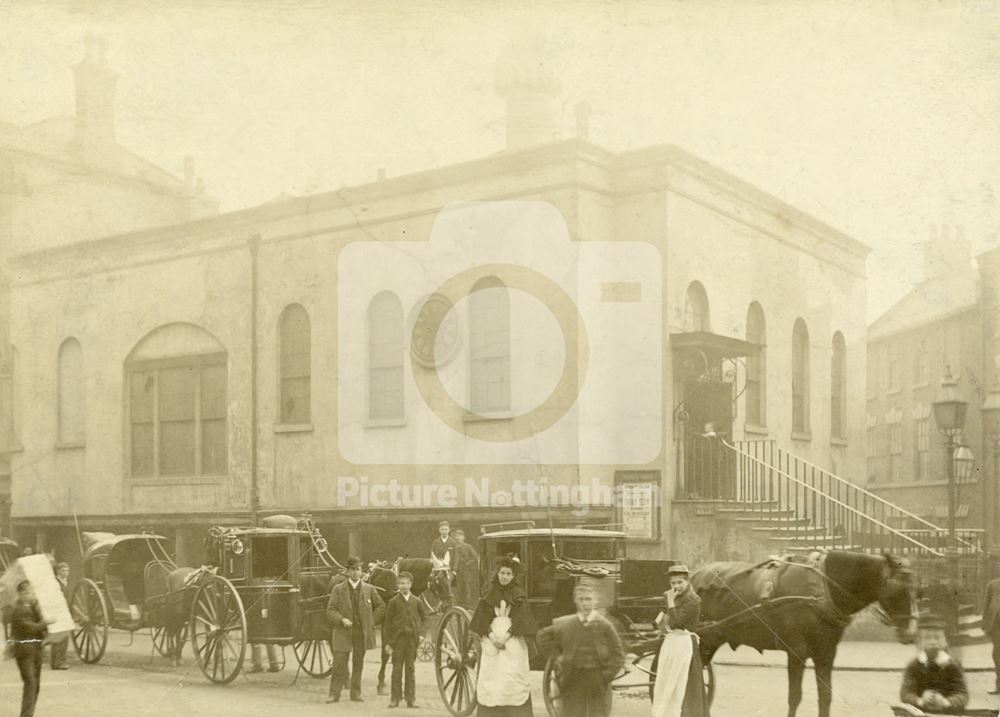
<point x="497" y="527"/>
<point x="868" y="494"/>
<point x="835" y="501"/>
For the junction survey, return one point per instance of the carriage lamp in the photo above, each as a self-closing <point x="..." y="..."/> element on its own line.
<point x="238" y="547"/>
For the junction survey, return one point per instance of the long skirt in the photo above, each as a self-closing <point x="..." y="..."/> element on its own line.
<point x="680" y="688"/>
<point x="503" y="679"/>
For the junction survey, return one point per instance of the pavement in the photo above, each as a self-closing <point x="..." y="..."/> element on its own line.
<point x="862" y="657"/>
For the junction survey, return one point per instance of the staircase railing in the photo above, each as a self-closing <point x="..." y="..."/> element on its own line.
<point x="823" y="512"/>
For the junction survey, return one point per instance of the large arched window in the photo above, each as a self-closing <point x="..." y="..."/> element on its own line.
<point x="756" y="389"/>
<point x="489" y="346"/>
<point x="696" y="317"/>
<point x="385" y="357"/>
<point x="176" y="385"/>
<point x="800" y="377"/>
<point x="295" y="365"/>
<point x="71" y="411"/>
<point x="838" y="387"/>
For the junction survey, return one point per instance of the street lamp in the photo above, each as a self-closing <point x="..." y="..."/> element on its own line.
<point x="991" y="427"/>
<point x="949" y="415"/>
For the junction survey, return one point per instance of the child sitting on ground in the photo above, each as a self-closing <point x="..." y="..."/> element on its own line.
<point x="934" y="682"/>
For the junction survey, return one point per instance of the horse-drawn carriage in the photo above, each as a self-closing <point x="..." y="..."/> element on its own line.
<point x="258" y="585"/>
<point x="797" y="604"/>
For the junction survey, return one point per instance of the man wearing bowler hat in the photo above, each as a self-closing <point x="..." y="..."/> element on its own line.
<point x="934" y="681"/>
<point x="355" y="608"/>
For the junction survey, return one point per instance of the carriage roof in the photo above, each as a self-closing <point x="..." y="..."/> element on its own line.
<point x="250" y="532"/>
<point x="7" y="543"/>
<point x="545" y="533"/>
<point x="104" y="548"/>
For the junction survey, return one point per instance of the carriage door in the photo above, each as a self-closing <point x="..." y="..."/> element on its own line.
<point x="709" y="468"/>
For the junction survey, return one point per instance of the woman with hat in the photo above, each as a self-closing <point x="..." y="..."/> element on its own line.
<point x="679" y="689"/>
<point x="504" y="622"/>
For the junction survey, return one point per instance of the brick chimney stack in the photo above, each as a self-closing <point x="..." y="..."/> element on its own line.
<point x="947" y="253"/>
<point x="95" y="102"/>
<point x="524" y="78"/>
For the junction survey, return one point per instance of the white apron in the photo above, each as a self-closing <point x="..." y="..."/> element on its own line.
<point x="503" y="674"/>
<point x="672" y="673"/>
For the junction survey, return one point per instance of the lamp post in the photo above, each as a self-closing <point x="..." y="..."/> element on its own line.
<point x="991" y="427"/>
<point x="949" y="415"/>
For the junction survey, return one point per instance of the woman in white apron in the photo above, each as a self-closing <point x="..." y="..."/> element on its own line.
<point x="504" y="622"/>
<point x="679" y="689"/>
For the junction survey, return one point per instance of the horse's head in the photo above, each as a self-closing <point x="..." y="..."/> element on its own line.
<point x="897" y="596"/>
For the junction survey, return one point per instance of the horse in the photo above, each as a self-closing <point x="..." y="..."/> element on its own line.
<point x="802" y="606"/>
<point x="426" y="583"/>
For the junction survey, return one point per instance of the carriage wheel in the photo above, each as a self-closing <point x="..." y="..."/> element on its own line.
<point x="169" y="640"/>
<point x="90" y="613"/>
<point x="550" y="688"/>
<point x="218" y="630"/>
<point x="707" y="677"/>
<point x="315" y="657"/>
<point x="425" y="650"/>
<point x="456" y="662"/>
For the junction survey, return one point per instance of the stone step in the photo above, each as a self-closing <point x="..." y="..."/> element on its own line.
<point x="822" y="540"/>
<point x="767" y="519"/>
<point x="809" y="549"/>
<point x="751" y="513"/>
<point x="792" y="531"/>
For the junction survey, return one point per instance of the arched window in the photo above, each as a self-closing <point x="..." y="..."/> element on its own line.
<point x="71" y="413"/>
<point x="176" y="385"/>
<point x="696" y="316"/>
<point x="800" y="377"/>
<point x="295" y="365"/>
<point x="838" y="387"/>
<point x="385" y="357"/>
<point x="489" y="346"/>
<point x="756" y="389"/>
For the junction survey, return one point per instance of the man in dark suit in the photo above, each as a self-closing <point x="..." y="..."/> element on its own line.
<point x="466" y="572"/>
<point x="28" y="630"/>
<point x="589" y="653"/>
<point x="404" y="624"/>
<point x="59" y="648"/>
<point x="991" y="626"/>
<point x="355" y="608"/>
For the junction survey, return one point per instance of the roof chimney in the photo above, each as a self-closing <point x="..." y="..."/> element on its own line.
<point x="95" y="101"/>
<point x="947" y="253"/>
<point x="529" y="88"/>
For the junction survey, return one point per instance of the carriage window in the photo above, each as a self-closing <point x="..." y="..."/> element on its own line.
<point x="541" y="572"/>
<point x="270" y="557"/>
<point x="589" y="549"/>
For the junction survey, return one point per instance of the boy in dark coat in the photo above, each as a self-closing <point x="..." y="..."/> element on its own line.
<point x="404" y="624"/>
<point x="27" y="631"/>
<point x="934" y="681"/>
<point x="590" y="656"/>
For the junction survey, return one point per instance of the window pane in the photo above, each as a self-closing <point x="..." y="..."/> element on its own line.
<point x="489" y="347"/>
<point x="213" y="447"/>
<point x="177" y="392"/>
<point x="295" y="365"/>
<point x="295" y="406"/>
<point x="213" y="391"/>
<point x="177" y="447"/>
<point x="71" y="395"/>
<point x="385" y="357"/>
<point x="142" y="388"/>
<point x="142" y="449"/>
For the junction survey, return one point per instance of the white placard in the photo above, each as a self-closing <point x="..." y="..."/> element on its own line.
<point x="37" y="569"/>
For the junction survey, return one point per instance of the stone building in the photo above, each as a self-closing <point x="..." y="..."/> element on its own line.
<point x="256" y="362"/>
<point x="63" y="181"/>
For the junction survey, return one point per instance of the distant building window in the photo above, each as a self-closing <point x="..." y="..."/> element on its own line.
<point x="696" y="316"/>
<point x="838" y="387"/>
<point x="892" y="382"/>
<point x="756" y="389"/>
<point x="71" y="413"/>
<point x="872" y="456"/>
<point x="800" y="377"/>
<point x="895" y="445"/>
<point x="385" y="357"/>
<point x="295" y="365"/>
<point x="873" y="373"/>
<point x="920" y="370"/>
<point x="177" y="416"/>
<point x="922" y="464"/>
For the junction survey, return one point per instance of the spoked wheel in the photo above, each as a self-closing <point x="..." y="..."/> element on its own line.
<point x="550" y="688"/>
<point x="218" y="630"/>
<point x="90" y="613"/>
<point x="425" y="650"/>
<point x="315" y="657"/>
<point x="456" y="662"/>
<point x="169" y="640"/>
<point x="707" y="678"/>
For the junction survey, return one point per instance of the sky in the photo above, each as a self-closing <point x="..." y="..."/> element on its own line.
<point x="880" y="118"/>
